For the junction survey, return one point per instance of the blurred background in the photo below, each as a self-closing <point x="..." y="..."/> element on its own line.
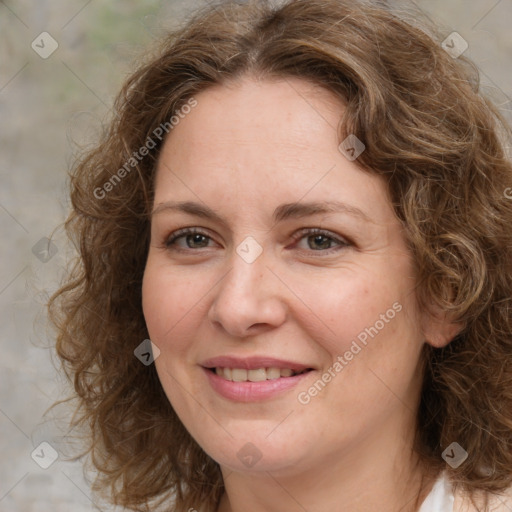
<point x="61" y="63"/>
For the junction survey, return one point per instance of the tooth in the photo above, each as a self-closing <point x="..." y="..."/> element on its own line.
<point x="257" y="375"/>
<point x="273" y="373"/>
<point x="239" y="374"/>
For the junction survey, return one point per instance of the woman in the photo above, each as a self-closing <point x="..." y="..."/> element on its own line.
<point x="303" y="208"/>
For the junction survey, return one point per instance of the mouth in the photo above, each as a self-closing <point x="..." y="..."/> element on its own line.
<point x="255" y="375"/>
<point x="254" y="379"/>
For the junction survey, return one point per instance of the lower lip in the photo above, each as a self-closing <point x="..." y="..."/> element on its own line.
<point x="252" y="391"/>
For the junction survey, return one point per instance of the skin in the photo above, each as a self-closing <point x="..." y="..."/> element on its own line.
<point x="245" y="149"/>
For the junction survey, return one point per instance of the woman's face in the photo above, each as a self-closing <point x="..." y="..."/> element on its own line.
<point x="292" y="260"/>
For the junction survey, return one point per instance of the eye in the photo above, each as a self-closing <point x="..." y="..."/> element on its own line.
<point x="188" y="238"/>
<point x="319" y="240"/>
<point x="314" y="239"/>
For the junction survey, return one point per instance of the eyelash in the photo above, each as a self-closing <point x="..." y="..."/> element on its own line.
<point x="305" y="232"/>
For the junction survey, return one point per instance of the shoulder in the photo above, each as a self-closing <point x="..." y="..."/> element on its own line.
<point x="496" y="502"/>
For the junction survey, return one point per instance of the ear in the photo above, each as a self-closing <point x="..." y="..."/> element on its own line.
<point x="439" y="328"/>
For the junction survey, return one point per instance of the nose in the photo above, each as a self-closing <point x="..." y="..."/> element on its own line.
<point x="248" y="300"/>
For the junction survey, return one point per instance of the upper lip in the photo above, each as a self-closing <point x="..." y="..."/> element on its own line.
<point x="253" y="363"/>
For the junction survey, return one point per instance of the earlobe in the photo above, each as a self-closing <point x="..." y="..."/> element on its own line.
<point x="439" y="329"/>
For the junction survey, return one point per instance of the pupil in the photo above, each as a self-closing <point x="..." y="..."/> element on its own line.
<point x="318" y="241"/>
<point x="196" y="238"/>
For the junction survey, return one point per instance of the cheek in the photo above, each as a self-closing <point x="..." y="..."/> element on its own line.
<point x="168" y="307"/>
<point x="367" y="314"/>
<point x="166" y="298"/>
<point x="340" y="309"/>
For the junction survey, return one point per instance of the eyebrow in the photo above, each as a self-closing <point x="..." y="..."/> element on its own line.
<point x="281" y="213"/>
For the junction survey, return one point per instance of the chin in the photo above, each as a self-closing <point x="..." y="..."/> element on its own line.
<point x="257" y="452"/>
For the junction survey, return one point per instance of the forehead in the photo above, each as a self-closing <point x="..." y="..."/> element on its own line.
<point x="283" y="118"/>
<point x="268" y="141"/>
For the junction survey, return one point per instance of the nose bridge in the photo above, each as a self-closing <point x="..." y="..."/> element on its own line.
<point x="248" y="293"/>
<point x="247" y="275"/>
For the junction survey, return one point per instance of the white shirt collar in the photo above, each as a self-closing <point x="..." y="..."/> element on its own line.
<point x="440" y="498"/>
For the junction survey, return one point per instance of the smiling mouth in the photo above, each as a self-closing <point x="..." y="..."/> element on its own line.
<point x="255" y="375"/>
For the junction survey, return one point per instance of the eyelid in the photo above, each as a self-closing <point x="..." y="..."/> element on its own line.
<point x="314" y="231"/>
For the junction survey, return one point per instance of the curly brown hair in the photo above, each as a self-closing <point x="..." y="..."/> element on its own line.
<point x="427" y="129"/>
